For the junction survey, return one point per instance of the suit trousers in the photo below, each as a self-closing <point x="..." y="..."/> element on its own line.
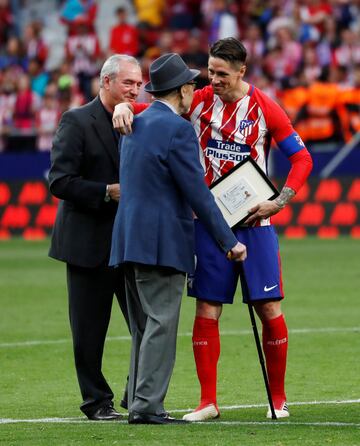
<point x="153" y="296"/>
<point x="91" y="292"/>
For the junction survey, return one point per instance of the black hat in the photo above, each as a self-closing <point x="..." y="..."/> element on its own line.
<point x="169" y="72"/>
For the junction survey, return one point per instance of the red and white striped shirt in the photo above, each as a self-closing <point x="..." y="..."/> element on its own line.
<point x="230" y="131"/>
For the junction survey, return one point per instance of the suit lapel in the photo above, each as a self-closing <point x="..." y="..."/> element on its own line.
<point x="104" y="131"/>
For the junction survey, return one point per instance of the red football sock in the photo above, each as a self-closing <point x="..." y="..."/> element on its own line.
<point x="275" y="345"/>
<point x="206" y="346"/>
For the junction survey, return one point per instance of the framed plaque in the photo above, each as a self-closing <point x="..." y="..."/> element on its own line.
<point x="240" y="189"/>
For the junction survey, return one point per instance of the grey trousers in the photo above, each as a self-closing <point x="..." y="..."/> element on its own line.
<point x="153" y="296"/>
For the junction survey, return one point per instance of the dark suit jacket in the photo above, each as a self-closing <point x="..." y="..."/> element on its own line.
<point x="84" y="159"/>
<point x="161" y="182"/>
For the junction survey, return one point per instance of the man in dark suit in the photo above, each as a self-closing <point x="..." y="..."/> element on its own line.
<point x="162" y="184"/>
<point x="84" y="174"/>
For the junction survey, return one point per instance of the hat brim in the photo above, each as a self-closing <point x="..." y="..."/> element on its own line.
<point x="192" y="74"/>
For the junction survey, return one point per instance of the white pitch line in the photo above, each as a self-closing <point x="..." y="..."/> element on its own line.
<point x="296" y="403"/>
<point x="225" y="423"/>
<point x="186" y="334"/>
<point x="242" y="406"/>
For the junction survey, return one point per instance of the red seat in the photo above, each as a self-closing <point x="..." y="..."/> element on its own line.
<point x="5" y="194"/>
<point x="15" y="217"/>
<point x="34" y="234"/>
<point x="33" y="193"/>
<point x="46" y="216"/>
<point x="354" y="191"/>
<point x="328" y="190"/>
<point x="302" y="194"/>
<point x="283" y="217"/>
<point x="328" y="232"/>
<point x="311" y="214"/>
<point x="295" y="232"/>
<point x="4" y="234"/>
<point x="355" y="232"/>
<point x="344" y="214"/>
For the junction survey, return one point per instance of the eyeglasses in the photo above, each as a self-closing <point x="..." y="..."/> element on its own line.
<point x="191" y="83"/>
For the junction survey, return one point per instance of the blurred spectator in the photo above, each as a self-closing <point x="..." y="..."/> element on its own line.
<point x="348" y="52"/>
<point x="350" y="98"/>
<point x="69" y="93"/>
<point x="313" y="17"/>
<point x="78" y="11"/>
<point x="195" y="57"/>
<point x="84" y="53"/>
<point x="124" y="37"/>
<point x="26" y="104"/>
<point x="14" y="55"/>
<point x="150" y="12"/>
<point x="294" y="96"/>
<point x="328" y="41"/>
<point x="183" y="14"/>
<point x="311" y="68"/>
<point x="39" y="77"/>
<point x="7" y="105"/>
<point x="285" y="53"/>
<point x="35" y="47"/>
<point x="319" y="118"/>
<point x="222" y="23"/>
<point x="6" y="21"/>
<point x="255" y="47"/>
<point x="47" y="118"/>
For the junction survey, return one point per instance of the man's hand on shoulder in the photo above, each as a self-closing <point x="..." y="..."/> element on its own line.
<point x="123" y="118"/>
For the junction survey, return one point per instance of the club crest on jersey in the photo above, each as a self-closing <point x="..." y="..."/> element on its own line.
<point x="246" y="126"/>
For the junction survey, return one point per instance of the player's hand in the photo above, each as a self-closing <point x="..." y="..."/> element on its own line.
<point x="262" y="210"/>
<point x="237" y="253"/>
<point x="123" y="117"/>
<point x="114" y="191"/>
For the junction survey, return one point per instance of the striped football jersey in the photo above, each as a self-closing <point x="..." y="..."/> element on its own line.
<point x="230" y="131"/>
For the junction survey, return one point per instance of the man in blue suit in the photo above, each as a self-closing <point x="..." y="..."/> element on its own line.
<point x="162" y="184"/>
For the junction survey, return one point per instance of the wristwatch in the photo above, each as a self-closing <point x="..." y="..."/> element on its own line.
<point x="107" y="197"/>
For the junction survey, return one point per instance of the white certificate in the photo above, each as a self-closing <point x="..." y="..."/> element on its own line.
<point x="240" y="189"/>
<point x="237" y="195"/>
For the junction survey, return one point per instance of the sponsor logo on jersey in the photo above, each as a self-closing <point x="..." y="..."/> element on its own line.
<point x="227" y="151"/>
<point x="246" y="126"/>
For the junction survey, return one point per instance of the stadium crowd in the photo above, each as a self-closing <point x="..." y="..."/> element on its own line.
<point x="303" y="53"/>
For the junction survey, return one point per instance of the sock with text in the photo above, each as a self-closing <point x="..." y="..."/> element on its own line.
<point x="206" y="347"/>
<point x="275" y="345"/>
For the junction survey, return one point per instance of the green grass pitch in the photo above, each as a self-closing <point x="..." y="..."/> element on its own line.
<point x="38" y="382"/>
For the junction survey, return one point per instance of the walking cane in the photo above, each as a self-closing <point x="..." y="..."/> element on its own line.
<point x="257" y="340"/>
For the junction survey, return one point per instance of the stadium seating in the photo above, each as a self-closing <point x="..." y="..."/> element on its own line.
<point x="311" y="214"/>
<point x="328" y="190"/>
<point x="5" y="194"/>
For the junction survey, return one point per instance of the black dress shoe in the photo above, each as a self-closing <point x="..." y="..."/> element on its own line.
<point x="105" y="413"/>
<point x="145" y="418"/>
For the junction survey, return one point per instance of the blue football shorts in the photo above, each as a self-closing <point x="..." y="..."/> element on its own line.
<point x="216" y="278"/>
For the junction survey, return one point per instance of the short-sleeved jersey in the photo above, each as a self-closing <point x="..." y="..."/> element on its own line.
<point x="230" y="131"/>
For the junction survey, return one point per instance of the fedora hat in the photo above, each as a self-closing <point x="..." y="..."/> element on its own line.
<point x="169" y="72"/>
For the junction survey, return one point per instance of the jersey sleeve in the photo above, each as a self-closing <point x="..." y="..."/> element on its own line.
<point x="290" y="144"/>
<point x="139" y="107"/>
